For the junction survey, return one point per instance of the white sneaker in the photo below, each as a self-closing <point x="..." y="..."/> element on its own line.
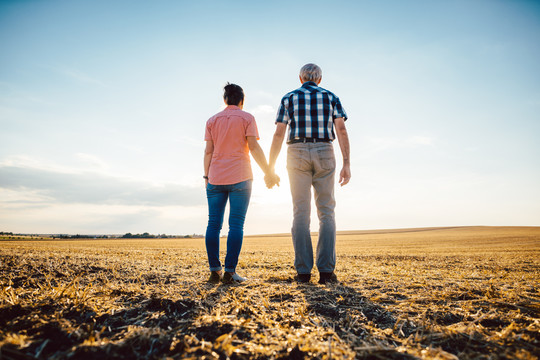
<point x="229" y="279"/>
<point x="238" y="278"/>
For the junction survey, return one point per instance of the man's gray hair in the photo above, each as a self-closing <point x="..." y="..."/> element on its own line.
<point x="311" y="72"/>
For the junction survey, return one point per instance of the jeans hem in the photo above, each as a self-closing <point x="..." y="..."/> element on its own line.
<point x="229" y="270"/>
<point x="215" y="268"/>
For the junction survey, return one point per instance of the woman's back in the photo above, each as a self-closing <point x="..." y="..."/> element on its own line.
<point x="228" y="130"/>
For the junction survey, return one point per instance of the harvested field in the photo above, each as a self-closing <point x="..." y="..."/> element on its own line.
<point x="441" y="293"/>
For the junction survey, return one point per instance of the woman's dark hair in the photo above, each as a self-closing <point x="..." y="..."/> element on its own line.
<point x="233" y="94"/>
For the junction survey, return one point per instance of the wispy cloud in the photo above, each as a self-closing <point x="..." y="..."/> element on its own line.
<point x="54" y="187"/>
<point x="102" y="219"/>
<point x="377" y="144"/>
<point x="81" y="76"/>
<point x="93" y="161"/>
<point x="262" y="109"/>
<point x="419" y="140"/>
<point x="13" y="97"/>
<point x="191" y="141"/>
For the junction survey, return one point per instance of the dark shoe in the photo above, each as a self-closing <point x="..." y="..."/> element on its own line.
<point x="227" y="278"/>
<point x="303" y="278"/>
<point x="215" y="277"/>
<point x="328" y="278"/>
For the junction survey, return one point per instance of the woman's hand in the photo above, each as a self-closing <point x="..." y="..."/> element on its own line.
<point x="271" y="179"/>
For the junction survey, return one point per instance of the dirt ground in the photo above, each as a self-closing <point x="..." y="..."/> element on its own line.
<point x="440" y="293"/>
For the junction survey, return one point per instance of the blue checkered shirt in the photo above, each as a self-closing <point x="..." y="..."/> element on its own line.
<point x="310" y="112"/>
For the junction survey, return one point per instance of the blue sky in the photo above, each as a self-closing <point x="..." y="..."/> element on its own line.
<point x="103" y="106"/>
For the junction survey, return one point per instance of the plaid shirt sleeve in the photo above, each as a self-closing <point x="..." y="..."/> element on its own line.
<point x="283" y="112"/>
<point x="339" y="111"/>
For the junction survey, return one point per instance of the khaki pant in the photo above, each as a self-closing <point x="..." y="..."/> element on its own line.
<point x="313" y="164"/>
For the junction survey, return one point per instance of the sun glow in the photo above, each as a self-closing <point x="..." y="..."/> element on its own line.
<point x="278" y="194"/>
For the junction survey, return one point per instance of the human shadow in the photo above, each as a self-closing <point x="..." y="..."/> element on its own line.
<point x="375" y="332"/>
<point x="356" y="320"/>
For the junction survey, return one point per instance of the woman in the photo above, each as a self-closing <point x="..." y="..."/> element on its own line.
<point x="230" y="135"/>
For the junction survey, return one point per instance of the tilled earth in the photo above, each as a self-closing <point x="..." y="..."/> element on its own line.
<point x="77" y="302"/>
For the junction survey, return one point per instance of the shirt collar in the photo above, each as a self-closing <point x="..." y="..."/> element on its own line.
<point x="309" y="83"/>
<point x="232" y="107"/>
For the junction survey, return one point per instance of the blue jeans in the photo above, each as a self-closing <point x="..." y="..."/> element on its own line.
<point x="238" y="196"/>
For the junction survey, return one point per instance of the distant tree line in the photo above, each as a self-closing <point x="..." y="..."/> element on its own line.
<point x="61" y="236"/>
<point x="139" y="236"/>
<point x="159" y="236"/>
<point x="125" y="236"/>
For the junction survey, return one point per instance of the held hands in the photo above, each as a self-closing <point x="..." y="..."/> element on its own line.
<point x="271" y="179"/>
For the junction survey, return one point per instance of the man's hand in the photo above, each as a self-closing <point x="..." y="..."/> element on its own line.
<point x="343" y="138"/>
<point x="345" y="175"/>
<point x="271" y="180"/>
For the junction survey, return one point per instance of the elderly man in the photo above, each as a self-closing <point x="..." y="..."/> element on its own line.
<point x="312" y="114"/>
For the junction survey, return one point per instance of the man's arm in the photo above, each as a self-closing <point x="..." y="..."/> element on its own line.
<point x="208" y="152"/>
<point x="272" y="179"/>
<point x="277" y="142"/>
<point x="343" y="138"/>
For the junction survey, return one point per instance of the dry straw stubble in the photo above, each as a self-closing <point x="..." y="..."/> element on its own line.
<point x="448" y="293"/>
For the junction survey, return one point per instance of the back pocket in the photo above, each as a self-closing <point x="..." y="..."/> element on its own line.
<point x="327" y="158"/>
<point x="298" y="159"/>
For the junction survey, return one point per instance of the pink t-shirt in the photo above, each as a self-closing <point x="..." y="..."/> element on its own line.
<point x="228" y="130"/>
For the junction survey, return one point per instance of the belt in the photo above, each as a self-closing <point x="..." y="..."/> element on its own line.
<point x="308" y="140"/>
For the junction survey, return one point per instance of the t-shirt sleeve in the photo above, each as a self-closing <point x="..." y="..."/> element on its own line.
<point x="339" y="111"/>
<point x="207" y="132"/>
<point x="251" y="128"/>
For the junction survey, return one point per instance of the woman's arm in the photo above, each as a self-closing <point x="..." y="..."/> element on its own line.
<point x="258" y="154"/>
<point x="208" y="152"/>
<point x="270" y="178"/>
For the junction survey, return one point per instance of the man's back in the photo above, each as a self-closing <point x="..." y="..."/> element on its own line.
<point x="309" y="111"/>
